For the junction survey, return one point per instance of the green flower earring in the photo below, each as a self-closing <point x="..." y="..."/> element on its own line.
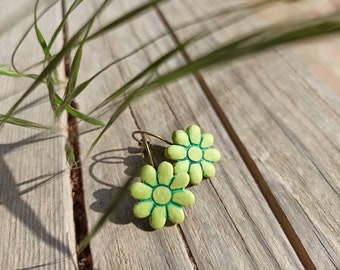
<point x="194" y="153"/>
<point x="161" y="195"/>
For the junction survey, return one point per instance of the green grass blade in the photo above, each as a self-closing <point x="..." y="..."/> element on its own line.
<point x="22" y="122"/>
<point x="25" y="35"/>
<point x="70" y="155"/>
<point x="60" y="27"/>
<point x="84" y="117"/>
<point x="151" y="68"/>
<point x="55" y="34"/>
<point x="70" y="92"/>
<point x="80" y="115"/>
<point x="154" y="65"/>
<point x="251" y="43"/>
<point x="42" y="42"/>
<point x="9" y="72"/>
<point x="124" y="18"/>
<point x="112" y="119"/>
<point x="114" y="204"/>
<point x="81" y="87"/>
<point x="72" y="80"/>
<point x="12" y="73"/>
<point x="52" y="94"/>
<point x="53" y="63"/>
<point x="255" y="42"/>
<point x="74" y="41"/>
<point x="182" y="26"/>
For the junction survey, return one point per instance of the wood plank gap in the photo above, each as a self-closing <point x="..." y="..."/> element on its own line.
<point x="84" y="257"/>
<point x="274" y="205"/>
<point x="187" y="247"/>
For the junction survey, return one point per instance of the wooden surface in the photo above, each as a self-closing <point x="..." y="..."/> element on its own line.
<point x="290" y="130"/>
<point x="230" y="225"/>
<point x="274" y="202"/>
<point x="37" y="230"/>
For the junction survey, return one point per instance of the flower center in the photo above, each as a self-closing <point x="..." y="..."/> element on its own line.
<point x="195" y="153"/>
<point x="161" y="195"/>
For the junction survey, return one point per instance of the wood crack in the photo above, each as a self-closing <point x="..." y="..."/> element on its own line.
<point x="84" y="258"/>
<point x="187" y="247"/>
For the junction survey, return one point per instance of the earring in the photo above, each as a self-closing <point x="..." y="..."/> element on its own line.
<point x="194" y="153"/>
<point x="161" y="195"/>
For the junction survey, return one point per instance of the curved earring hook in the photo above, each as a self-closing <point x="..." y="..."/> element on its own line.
<point x="148" y="151"/>
<point x="143" y="133"/>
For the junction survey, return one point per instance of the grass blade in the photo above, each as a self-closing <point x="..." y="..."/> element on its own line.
<point x="124" y="18"/>
<point x="255" y="42"/>
<point x="22" y="122"/>
<point x="52" y="64"/>
<point x="60" y="27"/>
<point x="110" y="209"/>
<point x="42" y="41"/>
<point x="43" y="44"/>
<point x="80" y="115"/>
<point x="25" y="35"/>
<point x="151" y="68"/>
<point x="251" y="43"/>
<point x="74" y="41"/>
<point x="9" y="72"/>
<point x="72" y="80"/>
<point x="51" y="94"/>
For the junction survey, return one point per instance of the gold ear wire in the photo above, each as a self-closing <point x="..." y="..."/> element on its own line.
<point x="146" y="146"/>
<point x="143" y="133"/>
<point x="143" y="142"/>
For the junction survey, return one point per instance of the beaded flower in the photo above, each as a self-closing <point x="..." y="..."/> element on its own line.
<point x="161" y="195"/>
<point x="194" y="153"/>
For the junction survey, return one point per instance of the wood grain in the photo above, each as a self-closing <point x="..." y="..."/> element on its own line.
<point x="229" y="227"/>
<point x="35" y="196"/>
<point x="290" y="126"/>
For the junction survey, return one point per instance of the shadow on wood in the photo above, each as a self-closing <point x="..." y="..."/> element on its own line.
<point x="10" y="196"/>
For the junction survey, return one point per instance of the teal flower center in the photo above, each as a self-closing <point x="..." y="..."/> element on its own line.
<point x="195" y="153"/>
<point x="161" y="195"/>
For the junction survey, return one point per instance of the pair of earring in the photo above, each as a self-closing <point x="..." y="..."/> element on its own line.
<point x="162" y="193"/>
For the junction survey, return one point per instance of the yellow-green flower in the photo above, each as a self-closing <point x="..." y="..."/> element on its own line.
<point x="161" y="195"/>
<point x="194" y="153"/>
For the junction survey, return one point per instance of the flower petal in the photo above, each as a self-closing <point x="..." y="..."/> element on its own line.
<point x="194" y="133"/>
<point x="212" y="154"/>
<point x="183" y="198"/>
<point x="181" y="166"/>
<point x="158" y="217"/>
<point x="142" y="209"/>
<point x="195" y="173"/>
<point x="140" y="191"/>
<point x="181" y="180"/>
<point x="148" y="175"/>
<point x="176" y="214"/>
<point x="208" y="169"/>
<point x="180" y="137"/>
<point x="175" y="152"/>
<point x="207" y="140"/>
<point x="165" y="173"/>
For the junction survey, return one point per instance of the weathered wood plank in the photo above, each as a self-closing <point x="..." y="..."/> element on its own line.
<point x="229" y="227"/>
<point x="124" y="242"/>
<point x="319" y="56"/>
<point x="290" y="127"/>
<point x="35" y="197"/>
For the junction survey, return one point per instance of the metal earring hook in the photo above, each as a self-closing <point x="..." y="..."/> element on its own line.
<point x="146" y="146"/>
<point x="143" y="142"/>
<point x="143" y="133"/>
